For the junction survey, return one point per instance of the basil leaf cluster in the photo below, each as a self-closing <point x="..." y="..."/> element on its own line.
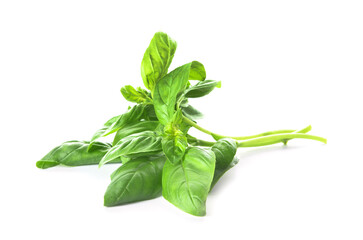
<point x="151" y="139"/>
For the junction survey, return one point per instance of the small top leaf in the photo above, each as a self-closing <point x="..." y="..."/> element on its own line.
<point x="201" y="88"/>
<point x="167" y="89"/>
<point x="157" y="59"/>
<point x="197" y="72"/>
<point x="132" y="95"/>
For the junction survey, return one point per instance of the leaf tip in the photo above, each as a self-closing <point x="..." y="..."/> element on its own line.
<point x="44" y="164"/>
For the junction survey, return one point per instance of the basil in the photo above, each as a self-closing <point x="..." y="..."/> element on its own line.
<point x="152" y="141"/>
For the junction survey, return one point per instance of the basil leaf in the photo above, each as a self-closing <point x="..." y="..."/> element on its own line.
<point x="186" y="184"/>
<point x="133" y="95"/>
<point x="133" y="115"/>
<point x="157" y="59"/>
<point x="174" y="141"/>
<point x="143" y="142"/>
<point x="225" y="150"/>
<point x="197" y="72"/>
<point x="189" y="111"/>
<point x="135" y="128"/>
<point x="137" y="180"/>
<point x="129" y="157"/>
<point x="102" y="130"/>
<point x="149" y="113"/>
<point x="201" y="88"/>
<point x="74" y="153"/>
<point x="174" y="147"/>
<point x="167" y="89"/>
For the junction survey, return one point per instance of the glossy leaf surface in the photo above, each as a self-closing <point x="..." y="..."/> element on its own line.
<point x="102" y="130"/>
<point x="202" y="88"/>
<point x="174" y="146"/>
<point x="197" y="72"/>
<point x="74" y="153"/>
<point x="134" y="95"/>
<point x="133" y="128"/>
<point x="157" y="59"/>
<point x="133" y="115"/>
<point x="186" y="184"/>
<point x="225" y="150"/>
<point x="144" y="142"/>
<point x="167" y="89"/>
<point x="189" y="111"/>
<point x="137" y="180"/>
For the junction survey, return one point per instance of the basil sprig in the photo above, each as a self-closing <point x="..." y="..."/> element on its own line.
<point x="151" y="141"/>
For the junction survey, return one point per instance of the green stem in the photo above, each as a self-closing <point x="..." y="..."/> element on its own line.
<point x="269" y="133"/>
<point x="273" y="139"/>
<point x="193" y="124"/>
<point x="304" y="130"/>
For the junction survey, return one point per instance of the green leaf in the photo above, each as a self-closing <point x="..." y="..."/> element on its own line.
<point x="189" y="111"/>
<point x="157" y="59"/>
<point x="225" y="150"/>
<point x="133" y="115"/>
<point x="174" y="146"/>
<point x="197" y="72"/>
<point x="129" y="157"/>
<point x="74" y="153"/>
<point x="174" y="141"/>
<point x="149" y="113"/>
<point x="102" y="130"/>
<point x="144" y="142"/>
<point x="133" y="128"/>
<point x="186" y="184"/>
<point x="137" y="180"/>
<point x="133" y="95"/>
<point x="201" y="88"/>
<point x="167" y="89"/>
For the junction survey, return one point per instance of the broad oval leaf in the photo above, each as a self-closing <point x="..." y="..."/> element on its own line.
<point x="201" y="88"/>
<point x="167" y="89"/>
<point x="74" y="153"/>
<point x="133" y="128"/>
<point x="157" y="59"/>
<point x="144" y="142"/>
<point x="137" y="180"/>
<point x="225" y="150"/>
<point x="186" y="184"/>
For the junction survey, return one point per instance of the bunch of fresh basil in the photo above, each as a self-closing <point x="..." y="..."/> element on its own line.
<point x="151" y="139"/>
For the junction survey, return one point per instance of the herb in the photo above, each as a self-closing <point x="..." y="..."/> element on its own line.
<point x="151" y="139"/>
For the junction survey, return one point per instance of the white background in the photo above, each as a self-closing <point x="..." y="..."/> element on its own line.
<point x="283" y="64"/>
